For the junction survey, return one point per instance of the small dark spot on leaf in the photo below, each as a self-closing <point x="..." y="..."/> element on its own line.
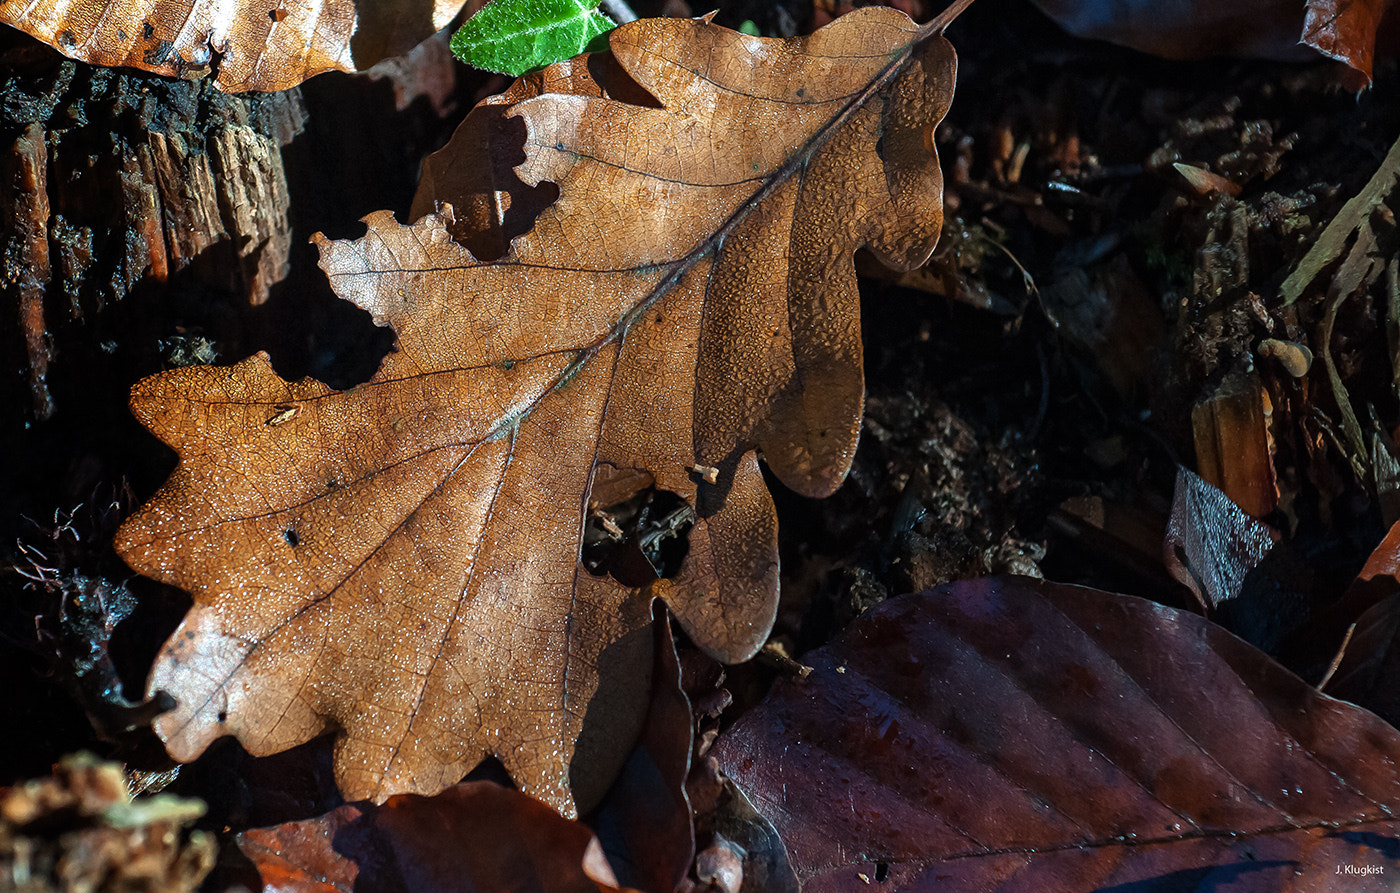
<point x="292" y="539"/>
<point x="559" y="146"/>
<point x="147" y="30"/>
<point x="67" y="39"/>
<point x="277" y="15"/>
<point x="223" y="716"/>
<point x="121" y="36"/>
<point x="507" y="365"/>
<point x="801" y="92"/>
<point x="882" y="871"/>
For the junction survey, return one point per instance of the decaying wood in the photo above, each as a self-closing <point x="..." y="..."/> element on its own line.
<point x="26" y="216"/>
<point x="1232" y="446"/>
<point x="117" y="179"/>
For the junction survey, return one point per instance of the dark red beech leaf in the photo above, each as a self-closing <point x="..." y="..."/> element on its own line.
<point x="475" y="837"/>
<point x="1012" y="734"/>
<point x="1366" y="669"/>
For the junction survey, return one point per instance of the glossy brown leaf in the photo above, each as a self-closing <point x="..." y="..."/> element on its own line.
<point x="1346" y="31"/>
<point x="402" y="561"/>
<point x="245" y="44"/>
<point x="476" y="837"/>
<point x="1012" y="734"/>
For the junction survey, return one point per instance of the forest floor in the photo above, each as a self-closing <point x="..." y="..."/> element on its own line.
<point x="1031" y="394"/>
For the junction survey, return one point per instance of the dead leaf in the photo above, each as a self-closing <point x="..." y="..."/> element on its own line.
<point x="475" y="836"/>
<point x="1345" y="30"/>
<point x="1366" y="668"/>
<point x="1368" y="665"/>
<point x="643" y="823"/>
<point x="1190" y="29"/>
<point x="1058" y="738"/>
<point x="475" y="172"/>
<point x="401" y="561"/>
<point x="243" y="45"/>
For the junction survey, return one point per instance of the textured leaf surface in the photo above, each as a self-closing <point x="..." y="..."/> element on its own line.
<point x="517" y="36"/>
<point x="1010" y="734"/>
<point x="475" y="836"/>
<point x="1346" y="31"/>
<point x="257" y="44"/>
<point x="402" y="561"/>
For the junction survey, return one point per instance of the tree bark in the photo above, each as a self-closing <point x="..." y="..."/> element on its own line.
<point x="118" y="180"/>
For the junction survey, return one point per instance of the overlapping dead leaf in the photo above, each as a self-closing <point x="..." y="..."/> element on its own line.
<point x="243" y="45"/>
<point x="1010" y="731"/>
<point x="402" y="561"/>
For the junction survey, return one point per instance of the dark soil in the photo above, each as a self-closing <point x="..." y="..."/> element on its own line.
<point x="1029" y="400"/>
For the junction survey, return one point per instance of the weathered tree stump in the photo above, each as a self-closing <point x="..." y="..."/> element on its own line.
<point x="114" y="178"/>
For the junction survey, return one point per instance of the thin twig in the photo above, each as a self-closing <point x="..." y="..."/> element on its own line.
<point x="1337" y="658"/>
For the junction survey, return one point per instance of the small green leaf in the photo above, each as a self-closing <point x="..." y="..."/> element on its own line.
<point x="519" y="36"/>
<point x="748" y="27"/>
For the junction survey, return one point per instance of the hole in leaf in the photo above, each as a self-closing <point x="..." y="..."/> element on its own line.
<point x="277" y="15"/>
<point x="292" y="539"/>
<point x="223" y="716"/>
<point x="639" y="539"/>
<point x="882" y="871"/>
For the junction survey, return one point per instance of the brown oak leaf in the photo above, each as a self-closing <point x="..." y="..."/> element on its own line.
<point x="402" y="561"/>
<point x="247" y="45"/>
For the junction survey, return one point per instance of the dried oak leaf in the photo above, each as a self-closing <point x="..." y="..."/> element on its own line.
<point x="401" y="561"/>
<point x="246" y="44"/>
<point x="1015" y="734"/>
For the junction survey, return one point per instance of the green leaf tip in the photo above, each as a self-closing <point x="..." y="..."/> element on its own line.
<point x="516" y="37"/>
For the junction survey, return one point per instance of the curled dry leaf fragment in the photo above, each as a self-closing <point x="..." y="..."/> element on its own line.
<point x="1206" y="182"/>
<point x="244" y="44"/>
<point x="1211" y="545"/>
<point x="401" y="561"/>
<point x="1346" y="30"/>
